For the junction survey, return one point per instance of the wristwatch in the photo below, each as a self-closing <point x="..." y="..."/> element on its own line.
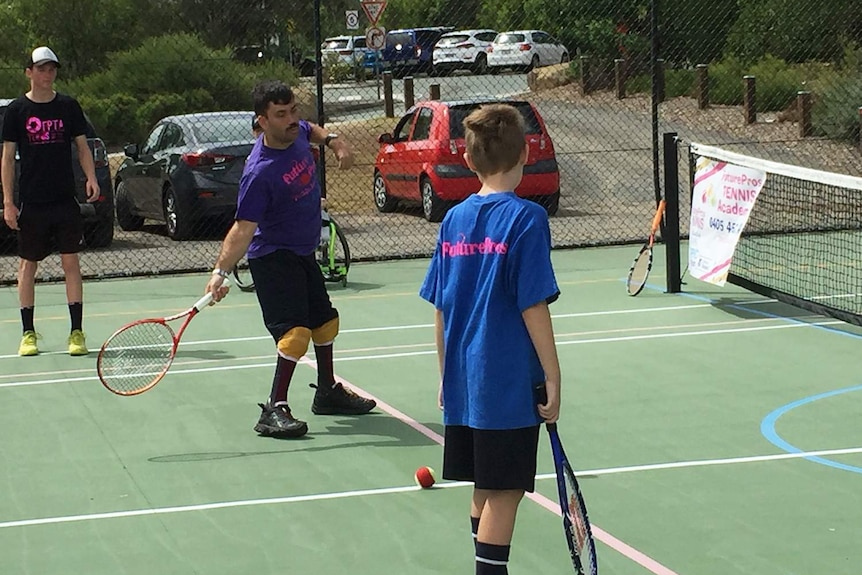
<point x="329" y="138"/>
<point x="220" y="272"/>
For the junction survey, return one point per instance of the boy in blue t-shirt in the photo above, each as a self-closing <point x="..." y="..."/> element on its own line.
<point x="278" y="228"/>
<point x="491" y="281"/>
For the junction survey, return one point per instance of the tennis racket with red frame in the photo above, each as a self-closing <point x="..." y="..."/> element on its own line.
<point x="138" y="355"/>
<point x="639" y="272"/>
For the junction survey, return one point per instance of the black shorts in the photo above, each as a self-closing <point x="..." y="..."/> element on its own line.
<point x="291" y="291"/>
<point x="492" y="458"/>
<point x="42" y="228"/>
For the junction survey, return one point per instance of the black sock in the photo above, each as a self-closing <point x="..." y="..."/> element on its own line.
<point x="27" y="319"/>
<point x="492" y="559"/>
<point x="325" y="369"/>
<point x="474" y="527"/>
<point x="281" y="381"/>
<point x="76" y="312"/>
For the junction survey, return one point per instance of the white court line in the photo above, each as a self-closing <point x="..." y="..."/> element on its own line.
<point x="431" y="325"/>
<point x="434" y="352"/>
<point x="406" y="489"/>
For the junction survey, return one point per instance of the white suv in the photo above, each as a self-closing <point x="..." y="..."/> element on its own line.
<point x="346" y="49"/>
<point x="466" y="49"/>
<point x="525" y="50"/>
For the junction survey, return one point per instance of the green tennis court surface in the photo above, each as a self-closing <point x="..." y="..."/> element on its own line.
<point x="684" y="413"/>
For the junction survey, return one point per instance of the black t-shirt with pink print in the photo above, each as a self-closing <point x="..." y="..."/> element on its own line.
<point x="44" y="133"/>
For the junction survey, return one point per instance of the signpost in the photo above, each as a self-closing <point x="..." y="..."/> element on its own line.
<point x="373" y="9"/>
<point x="352" y="19"/>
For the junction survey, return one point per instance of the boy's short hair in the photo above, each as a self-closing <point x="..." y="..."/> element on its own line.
<point x="495" y="138"/>
<point x="270" y="92"/>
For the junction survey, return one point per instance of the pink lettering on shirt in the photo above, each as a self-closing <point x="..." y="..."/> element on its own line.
<point x="464" y="248"/>
<point x="41" y="131"/>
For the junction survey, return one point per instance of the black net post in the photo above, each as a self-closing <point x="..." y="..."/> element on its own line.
<point x="670" y="233"/>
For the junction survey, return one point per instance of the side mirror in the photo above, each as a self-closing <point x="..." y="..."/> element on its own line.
<point x="385" y="138"/>
<point x="131" y="150"/>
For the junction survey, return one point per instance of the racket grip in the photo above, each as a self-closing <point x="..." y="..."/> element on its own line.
<point x="541" y="395"/>
<point x="208" y="297"/>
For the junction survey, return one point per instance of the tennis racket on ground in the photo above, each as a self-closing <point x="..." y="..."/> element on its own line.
<point x="576" y="523"/>
<point x="639" y="272"/>
<point x="138" y="355"/>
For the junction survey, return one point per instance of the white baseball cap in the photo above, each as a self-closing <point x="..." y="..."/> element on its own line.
<point x="43" y="54"/>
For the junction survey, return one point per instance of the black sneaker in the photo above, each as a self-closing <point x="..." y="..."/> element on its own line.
<point x="277" y="421"/>
<point x="339" y="400"/>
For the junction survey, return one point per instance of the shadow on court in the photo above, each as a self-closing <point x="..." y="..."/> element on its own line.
<point x="348" y="427"/>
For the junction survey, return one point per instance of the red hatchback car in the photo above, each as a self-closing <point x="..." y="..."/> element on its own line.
<point x="423" y="160"/>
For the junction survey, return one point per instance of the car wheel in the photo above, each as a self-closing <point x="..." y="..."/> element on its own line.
<point x="432" y="206"/>
<point x="127" y="221"/>
<point x="177" y="220"/>
<point x="565" y="58"/>
<point x="99" y="235"/>
<point x="534" y="63"/>
<point x="384" y="202"/>
<point x="481" y="65"/>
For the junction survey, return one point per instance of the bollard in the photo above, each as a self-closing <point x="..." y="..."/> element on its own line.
<point x="659" y="78"/>
<point x="803" y="102"/>
<point x="388" y="104"/>
<point x="435" y="91"/>
<point x="586" y="80"/>
<point x="408" y="93"/>
<point x="702" y="87"/>
<point x="620" y="77"/>
<point x="748" y="101"/>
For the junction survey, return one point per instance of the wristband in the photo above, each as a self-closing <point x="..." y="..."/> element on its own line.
<point x="220" y="272"/>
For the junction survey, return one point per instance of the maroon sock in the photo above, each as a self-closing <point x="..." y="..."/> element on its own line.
<point x="325" y="369"/>
<point x="281" y="381"/>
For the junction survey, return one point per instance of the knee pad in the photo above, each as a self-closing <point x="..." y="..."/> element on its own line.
<point x="325" y="333"/>
<point x="294" y="343"/>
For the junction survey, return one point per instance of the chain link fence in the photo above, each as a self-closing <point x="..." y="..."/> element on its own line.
<point x="166" y="86"/>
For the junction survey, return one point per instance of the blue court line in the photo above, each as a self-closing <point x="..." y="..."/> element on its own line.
<point x="767" y="428"/>
<point x="741" y="307"/>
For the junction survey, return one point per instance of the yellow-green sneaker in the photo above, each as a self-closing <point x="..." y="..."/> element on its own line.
<point x="28" y="344"/>
<point x="78" y="343"/>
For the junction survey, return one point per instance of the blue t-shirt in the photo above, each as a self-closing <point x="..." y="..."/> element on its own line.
<point x="492" y="262"/>
<point x="279" y="191"/>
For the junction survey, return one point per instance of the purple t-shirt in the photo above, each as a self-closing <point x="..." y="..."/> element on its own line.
<point x="280" y="192"/>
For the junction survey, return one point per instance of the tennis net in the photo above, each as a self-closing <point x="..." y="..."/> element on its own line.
<point x="803" y="241"/>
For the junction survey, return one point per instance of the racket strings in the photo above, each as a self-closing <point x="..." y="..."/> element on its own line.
<point x="581" y="537"/>
<point x="137" y="356"/>
<point x="640" y="271"/>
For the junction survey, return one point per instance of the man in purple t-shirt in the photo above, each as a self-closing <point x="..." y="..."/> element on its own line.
<point x="278" y="227"/>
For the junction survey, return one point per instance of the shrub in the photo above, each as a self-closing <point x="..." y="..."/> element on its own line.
<point x="835" y="113"/>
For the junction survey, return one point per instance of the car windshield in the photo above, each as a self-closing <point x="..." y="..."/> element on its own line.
<point x="335" y="44"/>
<point x="509" y="39"/>
<point x="452" y="40"/>
<point x="402" y="38"/>
<point x="459" y="112"/>
<point x="359" y="42"/>
<point x="226" y="129"/>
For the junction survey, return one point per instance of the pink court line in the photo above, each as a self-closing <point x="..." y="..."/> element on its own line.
<point x="614" y="543"/>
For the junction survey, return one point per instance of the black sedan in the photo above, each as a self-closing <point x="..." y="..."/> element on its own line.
<point x="186" y="172"/>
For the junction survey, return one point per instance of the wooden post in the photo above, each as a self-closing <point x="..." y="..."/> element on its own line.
<point x="702" y="87"/>
<point x="620" y="77"/>
<point x="659" y="71"/>
<point x="408" y="93"/>
<point x="748" y="100"/>
<point x="803" y="102"/>
<point x="860" y="128"/>
<point x="586" y="80"/>
<point x="435" y="91"/>
<point x="388" y="103"/>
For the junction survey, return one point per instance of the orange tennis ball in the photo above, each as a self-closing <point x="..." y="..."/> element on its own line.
<point x="425" y="477"/>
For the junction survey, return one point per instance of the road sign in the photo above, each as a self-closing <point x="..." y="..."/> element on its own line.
<point x="375" y="37"/>
<point x="373" y="9"/>
<point x="352" y="19"/>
